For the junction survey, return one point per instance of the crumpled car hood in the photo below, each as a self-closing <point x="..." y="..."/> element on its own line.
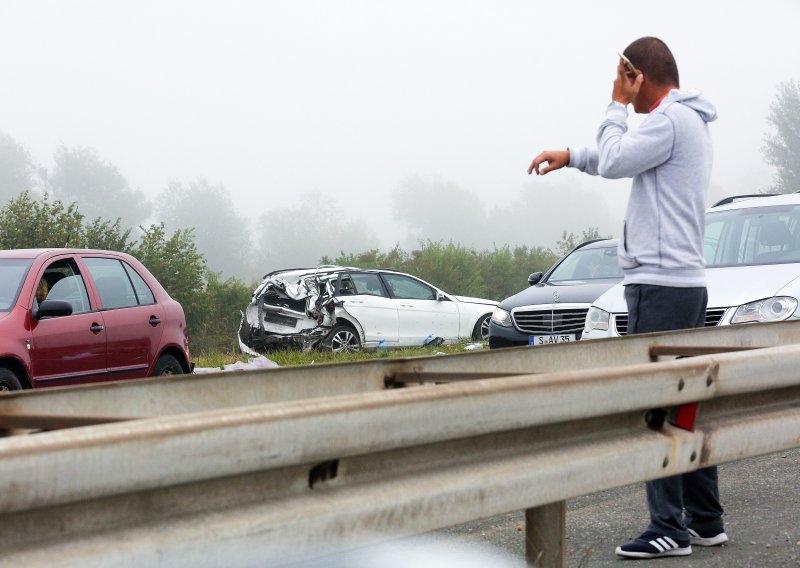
<point x="289" y="307"/>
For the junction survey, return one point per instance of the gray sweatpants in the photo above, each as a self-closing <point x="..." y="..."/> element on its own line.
<point x="690" y="499"/>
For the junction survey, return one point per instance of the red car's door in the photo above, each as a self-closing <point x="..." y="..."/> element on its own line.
<point x="132" y="317"/>
<point x="68" y="350"/>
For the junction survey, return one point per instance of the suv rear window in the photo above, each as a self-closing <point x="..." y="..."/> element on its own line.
<point x="753" y="236"/>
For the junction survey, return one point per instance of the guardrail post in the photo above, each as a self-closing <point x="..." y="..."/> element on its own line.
<point x="545" y="536"/>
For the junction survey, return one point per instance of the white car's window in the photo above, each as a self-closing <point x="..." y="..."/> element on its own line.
<point x="408" y="288"/>
<point x="367" y="284"/>
<point x="753" y="236"/>
<point x="346" y="286"/>
<point x="588" y="264"/>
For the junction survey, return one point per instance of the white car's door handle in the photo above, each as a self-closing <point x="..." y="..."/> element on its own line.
<point x="406" y="305"/>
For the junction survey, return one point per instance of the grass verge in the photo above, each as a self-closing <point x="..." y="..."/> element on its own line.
<point x="287" y="358"/>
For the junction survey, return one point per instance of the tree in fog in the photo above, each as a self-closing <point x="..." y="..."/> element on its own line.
<point x="394" y="259"/>
<point x="569" y="241"/>
<point x="440" y="210"/>
<point x="536" y="217"/>
<point x="18" y="172"/>
<point x="302" y="234"/>
<point x="782" y="147"/>
<point x="219" y="232"/>
<point x="81" y="176"/>
<point x="28" y="222"/>
<point x="541" y="214"/>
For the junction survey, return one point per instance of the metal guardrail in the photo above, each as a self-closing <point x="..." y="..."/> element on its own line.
<point x="264" y="482"/>
<point x="92" y="404"/>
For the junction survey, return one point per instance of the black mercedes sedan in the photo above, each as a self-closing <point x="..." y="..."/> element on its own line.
<point x="554" y="308"/>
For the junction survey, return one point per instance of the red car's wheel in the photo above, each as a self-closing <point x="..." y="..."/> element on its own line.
<point x="9" y="381"/>
<point x="167" y="365"/>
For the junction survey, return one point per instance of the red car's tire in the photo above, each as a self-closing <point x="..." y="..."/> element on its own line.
<point x="167" y="365"/>
<point x="8" y="380"/>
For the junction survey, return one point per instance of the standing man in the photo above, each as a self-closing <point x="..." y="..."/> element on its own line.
<point x="661" y="251"/>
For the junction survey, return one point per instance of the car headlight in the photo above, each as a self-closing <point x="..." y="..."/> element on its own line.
<point x="770" y="309"/>
<point x="502" y="317"/>
<point x="596" y="319"/>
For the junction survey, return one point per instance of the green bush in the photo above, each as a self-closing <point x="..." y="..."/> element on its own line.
<point x="459" y="270"/>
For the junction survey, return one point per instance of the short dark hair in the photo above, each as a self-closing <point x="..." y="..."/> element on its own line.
<point x="654" y="58"/>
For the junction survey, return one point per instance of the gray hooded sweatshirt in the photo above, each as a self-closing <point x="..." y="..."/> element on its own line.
<point x="669" y="158"/>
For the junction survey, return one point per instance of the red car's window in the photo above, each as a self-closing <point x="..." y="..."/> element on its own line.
<point x="12" y="274"/>
<point x="143" y="293"/>
<point x="112" y="283"/>
<point x="64" y="282"/>
<point x="118" y="284"/>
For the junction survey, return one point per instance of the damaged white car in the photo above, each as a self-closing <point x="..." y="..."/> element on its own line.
<point x="347" y="309"/>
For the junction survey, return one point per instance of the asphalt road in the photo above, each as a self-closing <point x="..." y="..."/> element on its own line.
<point x="761" y="497"/>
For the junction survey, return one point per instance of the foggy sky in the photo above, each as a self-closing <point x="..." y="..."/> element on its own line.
<point x="274" y="100"/>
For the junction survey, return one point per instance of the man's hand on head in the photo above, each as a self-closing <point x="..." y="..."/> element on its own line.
<point x="555" y="159"/>
<point x="626" y="86"/>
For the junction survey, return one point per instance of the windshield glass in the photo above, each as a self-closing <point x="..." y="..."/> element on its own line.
<point x="753" y="236"/>
<point x="588" y="264"/>
<point x="12" y="274"/>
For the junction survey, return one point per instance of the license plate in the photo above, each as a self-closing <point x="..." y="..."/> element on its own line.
<point x="548" y="339"/>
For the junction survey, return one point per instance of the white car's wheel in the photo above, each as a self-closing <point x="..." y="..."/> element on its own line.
<point x="481" y="330"/>
<point x="343" y="339"/>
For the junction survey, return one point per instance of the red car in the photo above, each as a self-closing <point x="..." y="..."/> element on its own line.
<point x="75" y="316"/>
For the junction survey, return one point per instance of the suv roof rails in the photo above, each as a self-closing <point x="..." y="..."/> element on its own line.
<point x="732" y="198"/>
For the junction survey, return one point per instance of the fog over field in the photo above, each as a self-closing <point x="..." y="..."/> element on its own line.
<point x="301" y="129"/>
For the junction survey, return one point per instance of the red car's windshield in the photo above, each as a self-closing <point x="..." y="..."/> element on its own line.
<point x="12" y="274"/>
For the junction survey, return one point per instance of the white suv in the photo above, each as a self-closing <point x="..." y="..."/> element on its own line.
<point x="752" y="250"/>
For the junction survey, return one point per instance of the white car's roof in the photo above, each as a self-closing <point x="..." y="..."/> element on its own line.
<point x="733" y="285"/>
<point x="751" y="201"/>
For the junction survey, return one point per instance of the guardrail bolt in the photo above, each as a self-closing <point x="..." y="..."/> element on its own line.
<point x="709" y="381"/>
<point x="666" y="462"/>
<point x="693" y="456"/>
<point x="681" y="384"/>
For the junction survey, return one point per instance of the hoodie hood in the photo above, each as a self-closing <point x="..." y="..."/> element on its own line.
<point x="694" y="99"/>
